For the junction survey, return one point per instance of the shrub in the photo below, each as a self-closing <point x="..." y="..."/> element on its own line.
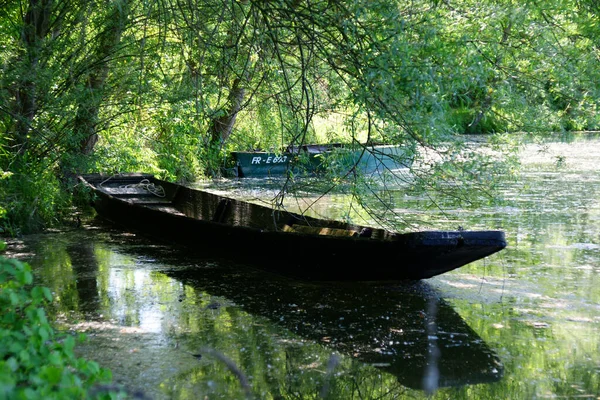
<point x="35" y="361"/>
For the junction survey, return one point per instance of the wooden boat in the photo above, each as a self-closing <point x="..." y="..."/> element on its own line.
<point x="311" y="159"/>
<point x="280" y="241"/>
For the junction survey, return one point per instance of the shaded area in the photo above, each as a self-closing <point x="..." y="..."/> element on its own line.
<point x="406" y="330"/>
<point x="163" y="304"/>
<point x="403" y="329"/>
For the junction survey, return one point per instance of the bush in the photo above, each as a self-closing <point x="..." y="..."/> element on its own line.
<point x="35" y="361"/>
<point x="31" y="201"/>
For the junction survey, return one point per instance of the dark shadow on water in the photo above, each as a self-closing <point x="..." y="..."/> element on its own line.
<point x="406" y="330"/>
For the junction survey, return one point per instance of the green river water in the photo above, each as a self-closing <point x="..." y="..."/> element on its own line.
<point x="522" y="324"/>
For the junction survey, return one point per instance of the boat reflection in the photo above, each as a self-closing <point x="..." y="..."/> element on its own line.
<point x="406" y="330"/>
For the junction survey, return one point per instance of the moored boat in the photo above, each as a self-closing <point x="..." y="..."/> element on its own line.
<point x="311" y="159"/>
<point x="280" y="241"/>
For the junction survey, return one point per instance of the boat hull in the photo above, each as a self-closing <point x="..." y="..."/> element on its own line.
<point x="315" y="159"/>
<point x="254" y="234"/>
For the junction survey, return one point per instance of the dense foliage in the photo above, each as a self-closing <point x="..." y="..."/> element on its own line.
<point x="171" y="87"/>
<point x="35" y="361"/>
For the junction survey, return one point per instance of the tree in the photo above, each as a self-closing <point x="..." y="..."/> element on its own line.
<point x="171" y="87"/>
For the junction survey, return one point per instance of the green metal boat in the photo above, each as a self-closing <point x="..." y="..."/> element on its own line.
<point x="313" y="159"/>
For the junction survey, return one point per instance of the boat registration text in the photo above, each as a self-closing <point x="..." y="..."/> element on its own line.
<point x="269" y="160"/>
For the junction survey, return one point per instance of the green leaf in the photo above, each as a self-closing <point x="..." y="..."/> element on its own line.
<point x="12" y="364"/>
<point x="44" y="333"/>
<point x="41" y="315"/>
<point x="24" y="356"/>
<point x="69" y="342"/>
<point x="47" y="293"/>
<point x="37" y="294"/>
<point x="23" y="275"/>
<point x="52" y="374"/>
<point x="8" y="268"/>
<point x="55" y="358"/>
<point x="14" y="299"/>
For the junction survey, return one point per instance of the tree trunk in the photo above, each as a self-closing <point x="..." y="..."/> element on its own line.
<point x="222" y="126"/>
<point x="35" y="29"/>
<point x="86" y="119"/>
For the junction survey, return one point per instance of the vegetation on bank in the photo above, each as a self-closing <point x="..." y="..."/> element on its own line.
<point x="171" y="88"/>
<point x="36" y="362"/>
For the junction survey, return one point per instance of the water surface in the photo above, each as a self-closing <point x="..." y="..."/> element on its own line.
<point x="521" y="324"/>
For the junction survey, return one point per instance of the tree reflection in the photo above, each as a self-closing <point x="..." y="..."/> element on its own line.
<point x="85" y="269"/>
<point x="290" y="339"/>
<point x="405" y="330"/>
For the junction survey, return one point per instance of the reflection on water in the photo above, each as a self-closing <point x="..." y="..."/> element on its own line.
<point x="151" y="312"/>
<point x="522" y="324"/>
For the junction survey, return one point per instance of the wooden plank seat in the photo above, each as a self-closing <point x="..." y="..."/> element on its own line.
<point x="164" y="208"/>
<point x="127" y="191"/>
<point x="317" y="230"/>
<point x="148" y="200"/>
<point x="121" y="191"/>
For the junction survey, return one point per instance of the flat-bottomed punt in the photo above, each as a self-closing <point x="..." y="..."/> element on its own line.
<point x="279" y="241"/>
